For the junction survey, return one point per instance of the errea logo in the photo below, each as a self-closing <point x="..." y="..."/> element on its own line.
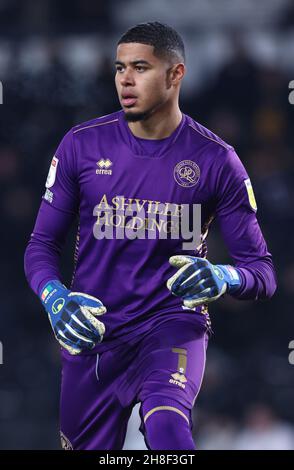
<point x="104" y="163"/>
<point x="178" y="379"/>
<point x="103" y="167"/>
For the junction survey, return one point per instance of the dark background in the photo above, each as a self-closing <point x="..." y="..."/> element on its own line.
<point x="56" y="66"/>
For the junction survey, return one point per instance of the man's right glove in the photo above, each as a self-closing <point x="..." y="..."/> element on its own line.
<point x="73" y="317"/>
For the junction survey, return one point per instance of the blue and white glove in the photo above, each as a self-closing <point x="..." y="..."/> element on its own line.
<point x="199" y="282"/>
<point x="73" y="317"/>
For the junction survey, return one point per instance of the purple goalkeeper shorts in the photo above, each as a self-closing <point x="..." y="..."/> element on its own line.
<point x="99" y="391"/>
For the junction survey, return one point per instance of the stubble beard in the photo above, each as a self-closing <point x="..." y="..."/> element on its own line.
<point x="139" y="116"/>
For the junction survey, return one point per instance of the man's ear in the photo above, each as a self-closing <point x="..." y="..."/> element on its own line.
<point x="175" y="74"/>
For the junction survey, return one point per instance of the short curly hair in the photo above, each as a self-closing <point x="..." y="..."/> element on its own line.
<point x="166" y="41"/>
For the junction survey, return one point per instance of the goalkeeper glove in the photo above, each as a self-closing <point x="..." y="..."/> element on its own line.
<point x="73" y="317"/>
<point x="198" y="281"/>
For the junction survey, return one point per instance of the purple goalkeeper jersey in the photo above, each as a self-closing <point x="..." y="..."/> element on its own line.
<point x="119" y="186"/>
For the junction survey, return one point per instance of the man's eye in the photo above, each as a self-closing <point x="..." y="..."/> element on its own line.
<point x="119" y="69"/>
<point x="140" y="69"/>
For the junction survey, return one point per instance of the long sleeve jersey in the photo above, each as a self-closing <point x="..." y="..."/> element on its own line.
<point x="131" y="197"/>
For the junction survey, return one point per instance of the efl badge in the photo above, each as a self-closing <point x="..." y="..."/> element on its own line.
<point x="187" y="173"/>
<point x="52" y="173"/>
<point x="250" y="193"/>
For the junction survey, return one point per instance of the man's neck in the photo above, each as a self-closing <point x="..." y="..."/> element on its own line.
<point x="157" y="126"/>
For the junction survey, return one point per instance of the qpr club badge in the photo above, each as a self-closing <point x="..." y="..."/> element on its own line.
<point x="187" y="173"/>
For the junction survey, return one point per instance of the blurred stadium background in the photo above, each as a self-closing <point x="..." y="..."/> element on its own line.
<point x="56" y="66"/>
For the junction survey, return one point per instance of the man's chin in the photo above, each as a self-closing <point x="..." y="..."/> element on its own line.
<point x="133" y="116"/>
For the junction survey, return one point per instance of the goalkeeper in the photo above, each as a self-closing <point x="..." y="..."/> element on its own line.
<point x="150" y="345"/>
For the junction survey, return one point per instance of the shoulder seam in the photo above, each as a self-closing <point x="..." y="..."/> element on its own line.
<point x="94" y="125"/>
<point x="209" y="138"/>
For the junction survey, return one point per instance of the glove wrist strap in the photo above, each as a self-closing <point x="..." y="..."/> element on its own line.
<point x="49" y="291"/>
<point x="231" y="276"/>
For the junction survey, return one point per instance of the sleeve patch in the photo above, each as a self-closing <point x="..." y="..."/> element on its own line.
<point x="52" y="173"/>
<point x="250" y="193"/>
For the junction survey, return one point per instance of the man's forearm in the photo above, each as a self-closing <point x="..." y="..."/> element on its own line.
<point x="258" y="280"/>
<point x="41" y="264"/>
<point x="42" y="256"/>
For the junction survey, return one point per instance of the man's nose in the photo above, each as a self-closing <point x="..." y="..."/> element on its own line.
<point x="127" y="78"/>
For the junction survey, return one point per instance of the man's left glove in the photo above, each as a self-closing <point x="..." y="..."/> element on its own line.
<point x="199" y="282"/>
